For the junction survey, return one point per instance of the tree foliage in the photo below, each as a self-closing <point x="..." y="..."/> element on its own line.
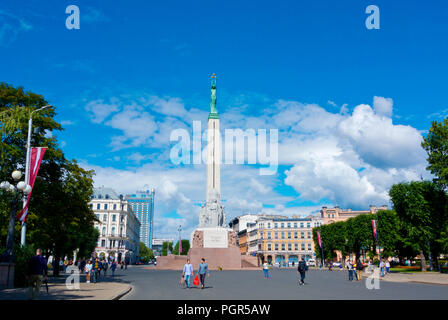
<point x="436" y="145"/>
<point x="185" y="247"/>
<point x="421" y="206"/>
<point x="146" y="254"/>
<point x="59" y="220"/>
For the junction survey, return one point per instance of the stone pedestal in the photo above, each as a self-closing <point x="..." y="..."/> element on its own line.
<point x="6" y="275"/>
<point x="217" y="245"/>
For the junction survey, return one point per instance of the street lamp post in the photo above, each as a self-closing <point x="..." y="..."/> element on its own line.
<point x="27" y="167"/>
<point x="8" y="255"/>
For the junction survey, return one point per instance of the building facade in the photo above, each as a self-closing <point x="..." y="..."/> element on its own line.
<point x="336" y="214"/>
<point x="157" y="244"/>
<point x="117" y="225"/>
<point x="278" y="239"/>
<point x="142" y="203"/>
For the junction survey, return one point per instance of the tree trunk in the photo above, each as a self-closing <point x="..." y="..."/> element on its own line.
<point x="422" y="261"/>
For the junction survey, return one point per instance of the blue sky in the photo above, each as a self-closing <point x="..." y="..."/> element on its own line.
<point x="136" y="70"/>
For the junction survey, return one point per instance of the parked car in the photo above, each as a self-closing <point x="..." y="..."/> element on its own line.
<point x="336" y="264"/>
<point x="311" y="262"/>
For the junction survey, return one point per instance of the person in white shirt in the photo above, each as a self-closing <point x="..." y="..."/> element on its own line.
<point x="266" y="270"/>
<point x="382" y="265"/>
<point x="188" y="272"/>
<point x="387" y="266"/>
<point x="88" y="270"/>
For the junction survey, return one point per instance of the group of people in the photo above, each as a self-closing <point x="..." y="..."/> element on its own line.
<point x="188" y="272"/>
<point x="301" y="269"/>
<point x="354" y="269"/>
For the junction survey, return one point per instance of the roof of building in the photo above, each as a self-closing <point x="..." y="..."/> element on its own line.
<point x="105" y="193"/>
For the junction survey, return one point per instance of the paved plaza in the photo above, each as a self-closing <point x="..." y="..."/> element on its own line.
<point x="149" y="283"/>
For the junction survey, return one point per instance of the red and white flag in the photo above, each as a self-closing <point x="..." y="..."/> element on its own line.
<point x="37" y="154"/>
<point x="319" y="240"/>
<point x="374" y="228"/>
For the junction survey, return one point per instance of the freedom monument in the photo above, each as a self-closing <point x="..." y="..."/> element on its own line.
<point x="211" y="240"/>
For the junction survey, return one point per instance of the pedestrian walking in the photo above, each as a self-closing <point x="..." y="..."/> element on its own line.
<point x="266" y="270"/>
<point x="387" y="266"/>
<point x="37" y="266"/>
<point x="382" y="266"/>
<point x="301" y="268"/>
<point x="359" y="268"/>
<point x="203" y="269"/>
<point x="330" y="266"/>
<point x="105" y="267"/>
<point x="187" y="273"/>
<point x="113" y="266"/>
<point x="96" y="270"/>
<point x="88" y="269"/>
<point x="349" y="266"/>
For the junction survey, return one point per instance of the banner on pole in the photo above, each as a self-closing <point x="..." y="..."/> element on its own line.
<point x="374" y="229"/>
<point x="37" y="154"/>
<point x="319" y="239"/>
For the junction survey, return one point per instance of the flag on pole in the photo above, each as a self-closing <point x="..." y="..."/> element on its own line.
<point x="319" y="240"/>
<point x="374" y="229"/>
<point x="37" y="154"/>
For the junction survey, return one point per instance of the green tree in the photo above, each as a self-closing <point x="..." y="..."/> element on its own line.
<point x="146" y="254"/>
<point x="421" y="206"/>
<point x="185" y="247"/>
<point x="167" y="247"/>
<point x="436" y="145"/>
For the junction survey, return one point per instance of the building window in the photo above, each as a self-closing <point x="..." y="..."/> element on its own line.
<point x="302" y="235"/>
<point x="269" y="247"/>
<point x="276" y="225"/>
<point x="296" y="246"/>
<point x="283" y="235"/>
<point x="276" y="235"/>
<point x="276" y="247"/>
<point x="309" y="234"/>
<point x="308" y="225"/>
<point x="303" y="246"/>
<point x="289" y="235"/>
<point x="104" y="231"/>
<point x="296" y="235"/>
<point x="269" y="235"/>
<point x="114" y="218"/>
<point x="103" y="243"/>
<point x="301" y="224"/>
<point x="269" y="225"/>
<point x="295" y="224"/>
<point x="283" y="247"/>
<point x="113" y="231"/>
<point x="105" y="217"/>
<point x="98" y="216"/>
<point x="282" y="225"/>
<point x="105" y="206"/>
<point x="122" y="218"/>
<point x="115" y="206"/>
<point x="289" y="246"/>
<point x="98" y="206"/>
<point x="289" y="225"/>
<point x="309" y="246"/>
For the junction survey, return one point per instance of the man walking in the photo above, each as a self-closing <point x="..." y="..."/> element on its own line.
<point x="36" y="266"/>
<point x="97" y="270"/>
<point x="359" y="268"/>
<point x="301" y="270"/>
<point x="203" y="269"/>
<point x="187" y="273"/>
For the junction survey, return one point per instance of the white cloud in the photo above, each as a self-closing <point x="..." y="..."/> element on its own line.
<point x="100" y="110"/>
<point x="383" y="106"/>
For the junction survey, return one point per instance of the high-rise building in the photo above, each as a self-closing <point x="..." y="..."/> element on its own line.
<point x="142" y="203"/>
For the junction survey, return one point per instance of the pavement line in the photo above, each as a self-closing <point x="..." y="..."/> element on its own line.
<point x="123" y="293"/>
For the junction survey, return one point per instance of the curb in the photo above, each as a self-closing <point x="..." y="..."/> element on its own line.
<point x="122" y="294"/>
